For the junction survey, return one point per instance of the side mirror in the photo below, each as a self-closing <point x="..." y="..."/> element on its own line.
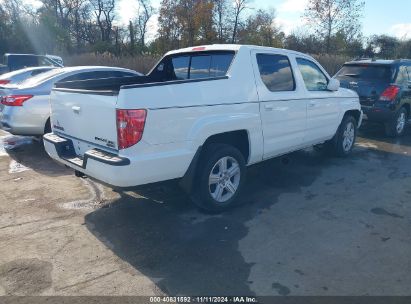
<point x="333" y="85"/>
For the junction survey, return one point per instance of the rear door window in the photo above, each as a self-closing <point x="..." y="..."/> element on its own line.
<point x="276" y="72"/>
<point x="314" y="78"/>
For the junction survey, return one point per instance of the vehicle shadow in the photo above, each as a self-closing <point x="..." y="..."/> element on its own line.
<point x="34" y="156"/>
<point x="186" y="252"/>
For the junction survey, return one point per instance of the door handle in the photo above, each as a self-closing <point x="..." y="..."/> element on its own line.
<point x="268" y="107"/>
<point x="311" y="104"/>
<point x="76" y="109"/>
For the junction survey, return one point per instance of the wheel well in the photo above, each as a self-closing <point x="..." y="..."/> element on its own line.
<point x="238" y="139"/>
<point x="354" y="113"/>
<point x="47" y="126"/>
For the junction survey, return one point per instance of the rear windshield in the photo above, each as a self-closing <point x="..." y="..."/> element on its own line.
<point x="40" y="78"/>
<point x="367" y="72"/>
<point x="199" y="65"/>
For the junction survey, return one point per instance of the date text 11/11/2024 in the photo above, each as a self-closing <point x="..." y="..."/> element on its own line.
<point x="205" y="299"/>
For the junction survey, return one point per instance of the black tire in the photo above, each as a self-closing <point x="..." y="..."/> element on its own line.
<point x="337" y="145"/>
<point x="392" y="128"/>
<point x="202" y="192"/>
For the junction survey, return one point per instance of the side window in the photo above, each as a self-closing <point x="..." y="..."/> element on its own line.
<point x="402" y="77"/>
<point x="121" y="74"/>
<point x="276" y="72"/>
<point x="180" y="67"/>
<point x="314" y="78"/>
<point x="75" y="77"/>
<point x="88" y="75"/>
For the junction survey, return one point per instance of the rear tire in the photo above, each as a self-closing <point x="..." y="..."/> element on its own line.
<point x="220" y="178"/>
<point x="396" y="127"/>
<point x="344" y="140"/>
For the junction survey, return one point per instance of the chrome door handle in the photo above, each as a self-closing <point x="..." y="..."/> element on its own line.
<point x="76" y="109"/>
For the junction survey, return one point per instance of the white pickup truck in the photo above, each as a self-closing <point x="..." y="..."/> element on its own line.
<point x="202" y="115"/>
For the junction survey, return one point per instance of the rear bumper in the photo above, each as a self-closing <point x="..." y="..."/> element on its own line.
<point x="96" y="163"/>
<point x="378" y="114"/>
<point x="118" y="171"/>
<point x="19" y="121"/>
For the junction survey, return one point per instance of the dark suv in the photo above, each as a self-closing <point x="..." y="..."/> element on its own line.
<point x="384" y="87"/>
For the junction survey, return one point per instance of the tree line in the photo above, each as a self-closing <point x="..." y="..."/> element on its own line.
<point x="82" y="26"/>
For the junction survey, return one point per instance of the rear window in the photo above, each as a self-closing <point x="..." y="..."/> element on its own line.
<point x="367" y="72"/>
<point x="200" y="65"/>
<point x="40" y="78"/>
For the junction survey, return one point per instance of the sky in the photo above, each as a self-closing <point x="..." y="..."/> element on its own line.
<point x="380" y="16"/>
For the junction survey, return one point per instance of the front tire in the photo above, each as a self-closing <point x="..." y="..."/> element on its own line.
<point x="220" y="178"/>
<point x="396" y="127"/>
<point x="344" y="140"/>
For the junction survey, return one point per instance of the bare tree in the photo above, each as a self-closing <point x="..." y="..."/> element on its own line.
<point x="239" y="7"/>
<point x="145" y="12"/>
<point x="220" y="19"/>
<point x="331" y="16"/>
<point x="104" y="12"/>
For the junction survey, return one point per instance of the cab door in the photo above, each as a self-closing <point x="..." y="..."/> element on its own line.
<point x="283" y="112"/>
<point x="323" y="108"/>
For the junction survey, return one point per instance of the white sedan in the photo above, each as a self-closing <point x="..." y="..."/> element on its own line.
<point x="25" y="109"/>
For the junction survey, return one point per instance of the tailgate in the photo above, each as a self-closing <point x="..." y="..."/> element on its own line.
<point x="85" y="118"/>
<point x="368" y="91"/>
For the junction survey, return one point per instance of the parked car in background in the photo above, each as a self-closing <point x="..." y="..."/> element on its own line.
<point x="384" y="87"/>
<point x="25" y="109"/>
<point x="15" y="77"/>
<point x="13" y="62"/>
<point x="201" y="115"/>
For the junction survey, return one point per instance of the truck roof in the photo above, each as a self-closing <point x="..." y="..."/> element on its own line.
<point x="231" y="47"/>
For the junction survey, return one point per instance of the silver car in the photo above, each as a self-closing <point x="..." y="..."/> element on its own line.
<point x="25" y="109"/>
<point x="18" y="76"/>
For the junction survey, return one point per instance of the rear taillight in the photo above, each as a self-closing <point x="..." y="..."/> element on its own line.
<point x="390" y="93"/>
<point x="4" y="81"/>
<point x="130" y="127"/>
<point x="15" y="100"/>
